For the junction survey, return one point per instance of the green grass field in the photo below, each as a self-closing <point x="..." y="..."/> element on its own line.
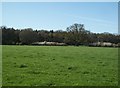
<point x="59" y="66"/>
<point x="0" y="66"/>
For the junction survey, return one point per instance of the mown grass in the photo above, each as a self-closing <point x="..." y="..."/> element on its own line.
<point x="59" y="66"/>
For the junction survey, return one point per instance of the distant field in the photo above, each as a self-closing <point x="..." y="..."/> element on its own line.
<point x="59" y="66"/>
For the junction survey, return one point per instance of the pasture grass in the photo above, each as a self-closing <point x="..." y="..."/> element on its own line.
<point x="59" y="66"/>
<point x="0" y="65"/>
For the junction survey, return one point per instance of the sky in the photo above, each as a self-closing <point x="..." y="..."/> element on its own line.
<point x="96" y="16"/>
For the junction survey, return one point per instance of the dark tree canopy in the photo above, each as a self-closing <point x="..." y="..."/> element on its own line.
<point x="74" y="35"/>
<point x="28" y="36"/>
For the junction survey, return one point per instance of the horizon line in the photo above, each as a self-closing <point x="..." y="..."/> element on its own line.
<point x="54" y="29"/>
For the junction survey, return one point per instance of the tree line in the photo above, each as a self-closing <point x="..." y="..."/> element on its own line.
<point x="74" y="35"/>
